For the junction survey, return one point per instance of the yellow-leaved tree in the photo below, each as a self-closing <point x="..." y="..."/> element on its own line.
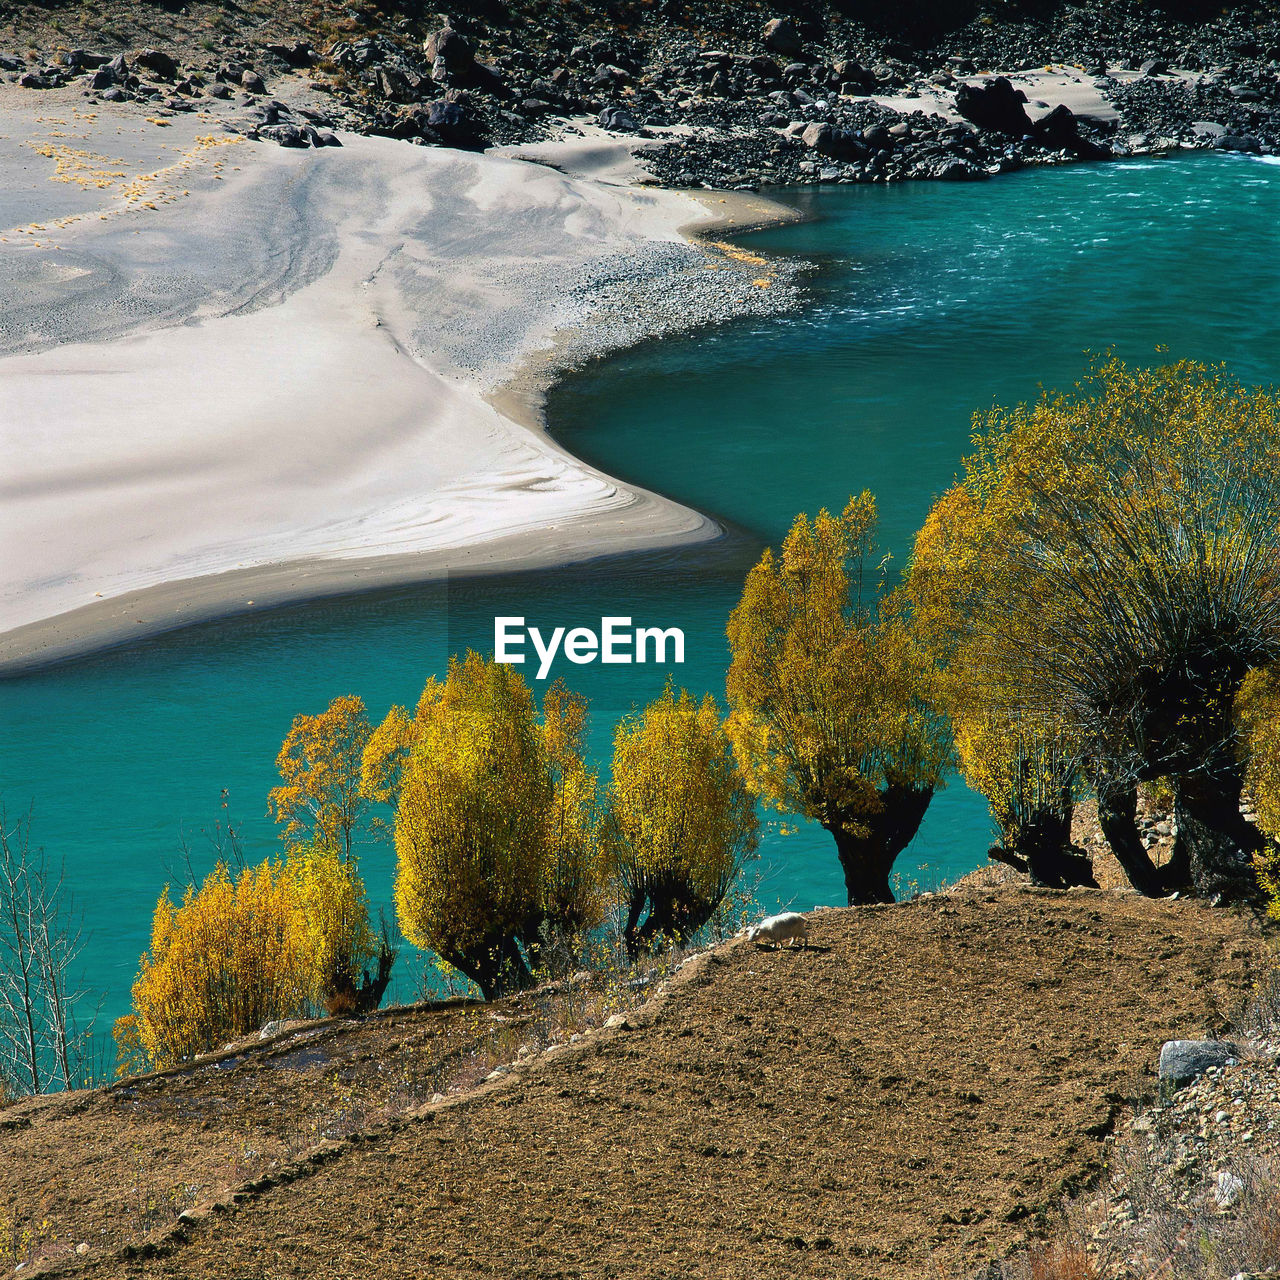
<point x="1028" y="766"/>
<point x="680" y="820"/>
<point x="1108" y="571"/>
<point x="321" y="804"/>
<point x="319" y="798"/>
<point x="272" y="941"/>
<point x="497" y="863"/>
<point x="1258" y="716"/>
<point x="835" y="712"/>
<point x="232" y="956"/>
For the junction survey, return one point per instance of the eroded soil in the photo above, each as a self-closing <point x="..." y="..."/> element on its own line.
<point x="909" y="1097"/>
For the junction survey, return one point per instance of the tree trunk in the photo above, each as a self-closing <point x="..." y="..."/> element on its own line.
<point x="1118" y="818"/>
<point x="1216" y="842"/>
<point x="1044" y="851"/>
<point x="868" y="860"/>
<point x="674" y="914"/>
<point x="497" y="968"/>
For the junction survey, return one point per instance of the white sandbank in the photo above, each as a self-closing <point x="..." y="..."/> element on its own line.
<point x="233" y="375"/>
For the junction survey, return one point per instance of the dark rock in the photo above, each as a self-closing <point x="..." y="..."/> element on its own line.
<point x="453" y="124"/>
<point x="103" y="78"/>
<point x="1153" y="67"/>
<point x="451" y="48"/>
<point x="1182" y="1061"/>
<point x="113" y="95"/>
<point x="618" y="120"/>
<point x="300" y="54"/>
<point x="286" y="135"/>
<point x="1238" y="142"/>
<point x="9" y="63"/>
<point x="610" y="76"/>
<point x="1060" y="131"/>
<point x="218" y="91"/>
<point x="118" y="66"/>
<point x="158" y="63"/>
<point x="839" y="144"/>
<point x="82" y="60"/>
<point x="781" y="36"/>
<point x="252" y="82"/>
<point x="996" y="105"/>
<point x="33" y="80"/>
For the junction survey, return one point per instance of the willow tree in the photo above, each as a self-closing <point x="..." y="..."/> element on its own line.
<point x="680" y="820"/>
<point x="494" y="822"/>
<point x="834" y="707"/>
<point x="319" y="797"/>
<point x="1258" y="717"/>
<point x="243" y="950"/>
<point x="1029" y="767"/>
<point x="321" y="805"/>
<point x="1125" y="580"/>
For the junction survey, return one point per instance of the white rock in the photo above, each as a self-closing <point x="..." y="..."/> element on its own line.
<point x="1228" y="1191"/>
<point x="618" y="1020"/>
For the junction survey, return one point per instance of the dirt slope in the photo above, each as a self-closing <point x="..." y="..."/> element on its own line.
<point x="907" y="1098"/>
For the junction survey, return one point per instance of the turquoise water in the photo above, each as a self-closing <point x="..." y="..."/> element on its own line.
<point x="928" y="301"/>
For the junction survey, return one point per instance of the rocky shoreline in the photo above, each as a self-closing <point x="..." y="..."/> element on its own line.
<point x="742" y="103"/>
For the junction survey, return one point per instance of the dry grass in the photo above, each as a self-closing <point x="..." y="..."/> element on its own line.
<point x="909" y="1097"/>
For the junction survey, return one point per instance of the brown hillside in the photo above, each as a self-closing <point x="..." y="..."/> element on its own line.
<point x="908" y="1098"/>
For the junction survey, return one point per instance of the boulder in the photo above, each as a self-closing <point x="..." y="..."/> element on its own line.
<point x="103" y="78"/>
<point x="1060" y="131"/>
<point x="996" y="105"/>
<point x="82" y="60"/>
<point x="781" y="36"/>
<point x="158" y="63"/>
<point x="9" y="63"/>
<point x="252" y="82"/>
<point x="829" y="141"/>
<point x="452" y="123"/>
<point x="618" y="120"/>
<point x="287" y="135"/>
<point x="299" y="54"/>
<point x="119" y="66"/>
<point x="1182" y="1061"/>
<point x="1238" y="142"/>
<point x="451" y="48"/>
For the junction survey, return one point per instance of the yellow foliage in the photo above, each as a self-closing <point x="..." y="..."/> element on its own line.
<point x="1104" y="548"/>
<point x="320" y="764"/>
<point x="1258" y="715"/>
<point x="335" y="918"/>
<point x="681" y="819"/>
<point x="233" y="956"/>
<point x="1023" y="772"/>
<point x="494" y="826"/>
<point x="241" y="951"/>
<point x="831" y="695"/>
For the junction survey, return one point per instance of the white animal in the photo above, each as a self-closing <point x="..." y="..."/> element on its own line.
<point x="788" y="927"/>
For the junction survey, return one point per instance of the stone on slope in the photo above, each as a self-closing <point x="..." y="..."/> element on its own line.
<point x="1182" y="1061"/>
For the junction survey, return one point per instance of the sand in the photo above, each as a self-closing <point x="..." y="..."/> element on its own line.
<point x="235" y="375"/>
<point x="1045" y="89"/>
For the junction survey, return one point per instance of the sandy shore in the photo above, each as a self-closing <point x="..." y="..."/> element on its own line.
<point x="236" y="375"/>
